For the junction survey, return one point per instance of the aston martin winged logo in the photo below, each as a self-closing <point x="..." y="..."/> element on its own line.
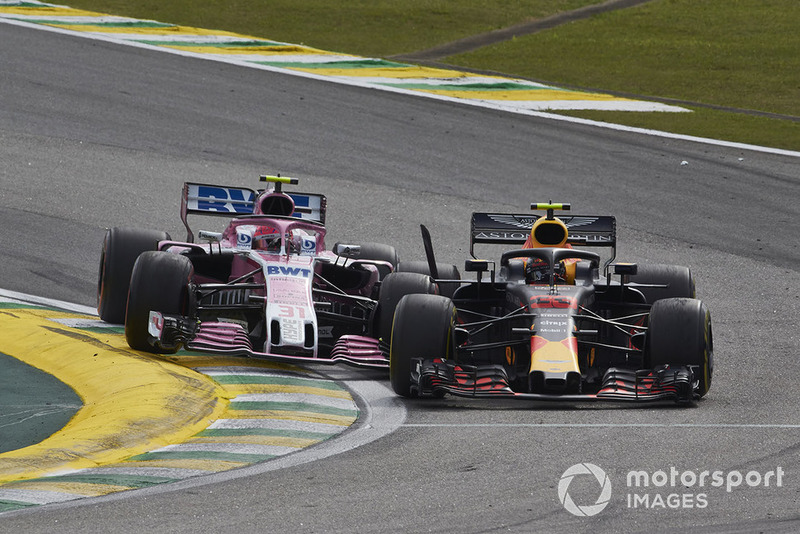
<point x="526" y="221"/>
<point x="516" y="221"/>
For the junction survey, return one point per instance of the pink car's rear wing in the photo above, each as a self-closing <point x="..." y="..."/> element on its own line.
<point x="236" y="201"/>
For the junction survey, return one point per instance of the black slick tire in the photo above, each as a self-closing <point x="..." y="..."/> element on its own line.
<point x="678" y="279"/>
<point x="393" y="288"/>
<point x="159" y="282"/>
<point x="423" y="328"/>
<point x="379" y="252"/>
<point x="680" y="334"/>
<point x="446" y="271"/>
<point x="121" y="247"/>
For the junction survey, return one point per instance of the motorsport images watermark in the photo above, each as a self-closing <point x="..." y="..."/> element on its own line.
<point x="665" y="489"/>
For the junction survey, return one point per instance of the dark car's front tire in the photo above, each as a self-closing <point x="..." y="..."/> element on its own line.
<point x="680" y="333"/>
<point x="423" y="328"/>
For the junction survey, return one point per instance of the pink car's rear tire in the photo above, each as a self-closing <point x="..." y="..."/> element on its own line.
<point x="121" y="247"/>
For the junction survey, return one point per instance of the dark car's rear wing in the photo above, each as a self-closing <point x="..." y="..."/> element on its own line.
<point x="514" y="229"/>
<point x="235" y="201"/>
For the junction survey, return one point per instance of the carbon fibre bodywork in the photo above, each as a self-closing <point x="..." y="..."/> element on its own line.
<point x="582" y="330"/>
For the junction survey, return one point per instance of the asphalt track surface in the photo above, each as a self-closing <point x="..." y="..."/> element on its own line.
<point x="94" y="135"/>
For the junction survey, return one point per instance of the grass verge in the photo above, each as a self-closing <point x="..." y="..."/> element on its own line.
<point x="378" y="28"/>
<point x="741" y="54"/>
<point x="731" y="53"/>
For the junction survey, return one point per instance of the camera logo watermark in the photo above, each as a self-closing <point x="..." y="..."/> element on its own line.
<point x="583" y="470"/>
<point x="668" y="488"/>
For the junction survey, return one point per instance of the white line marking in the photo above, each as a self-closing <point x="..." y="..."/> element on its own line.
<point x="277" y="424"/>
<point x="256" y="372"/>
<point x="188" y="38"/>
<point x="600" y="425"/>
<point x="433" y="82"/>
<point x="133" y="469"/>
<point x="74" y="19"/>
<point x="228" y="448"/>
<point x="304" y="398"/>
<point x="37" y="496"/>
<point x="23" y="298"/>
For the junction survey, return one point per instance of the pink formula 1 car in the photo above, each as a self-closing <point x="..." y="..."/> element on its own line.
<point x="266" y="286"/>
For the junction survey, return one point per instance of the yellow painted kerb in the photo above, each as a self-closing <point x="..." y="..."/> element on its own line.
<point x="132" y="403"/>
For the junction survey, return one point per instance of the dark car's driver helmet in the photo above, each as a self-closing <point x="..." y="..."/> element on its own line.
<point x="551" y="233"/>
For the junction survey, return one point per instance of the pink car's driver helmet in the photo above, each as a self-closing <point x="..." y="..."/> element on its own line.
<point x="267" y="238"/>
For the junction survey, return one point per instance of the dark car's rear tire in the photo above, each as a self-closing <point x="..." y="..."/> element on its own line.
<point x="678" y="279"/>
<point x="159" y="282"/>
<point x="446" y="271"/>
<point x="393" y="288"/>
<point x="121" y="247"/>
<point x="680" y="334"/>
<point x="423" y="328"/>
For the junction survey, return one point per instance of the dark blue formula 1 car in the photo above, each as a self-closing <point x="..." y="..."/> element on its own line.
<point x="555" y="321"/>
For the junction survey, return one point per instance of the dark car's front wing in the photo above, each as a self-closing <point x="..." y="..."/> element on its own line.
<point x="660" y="384"/>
